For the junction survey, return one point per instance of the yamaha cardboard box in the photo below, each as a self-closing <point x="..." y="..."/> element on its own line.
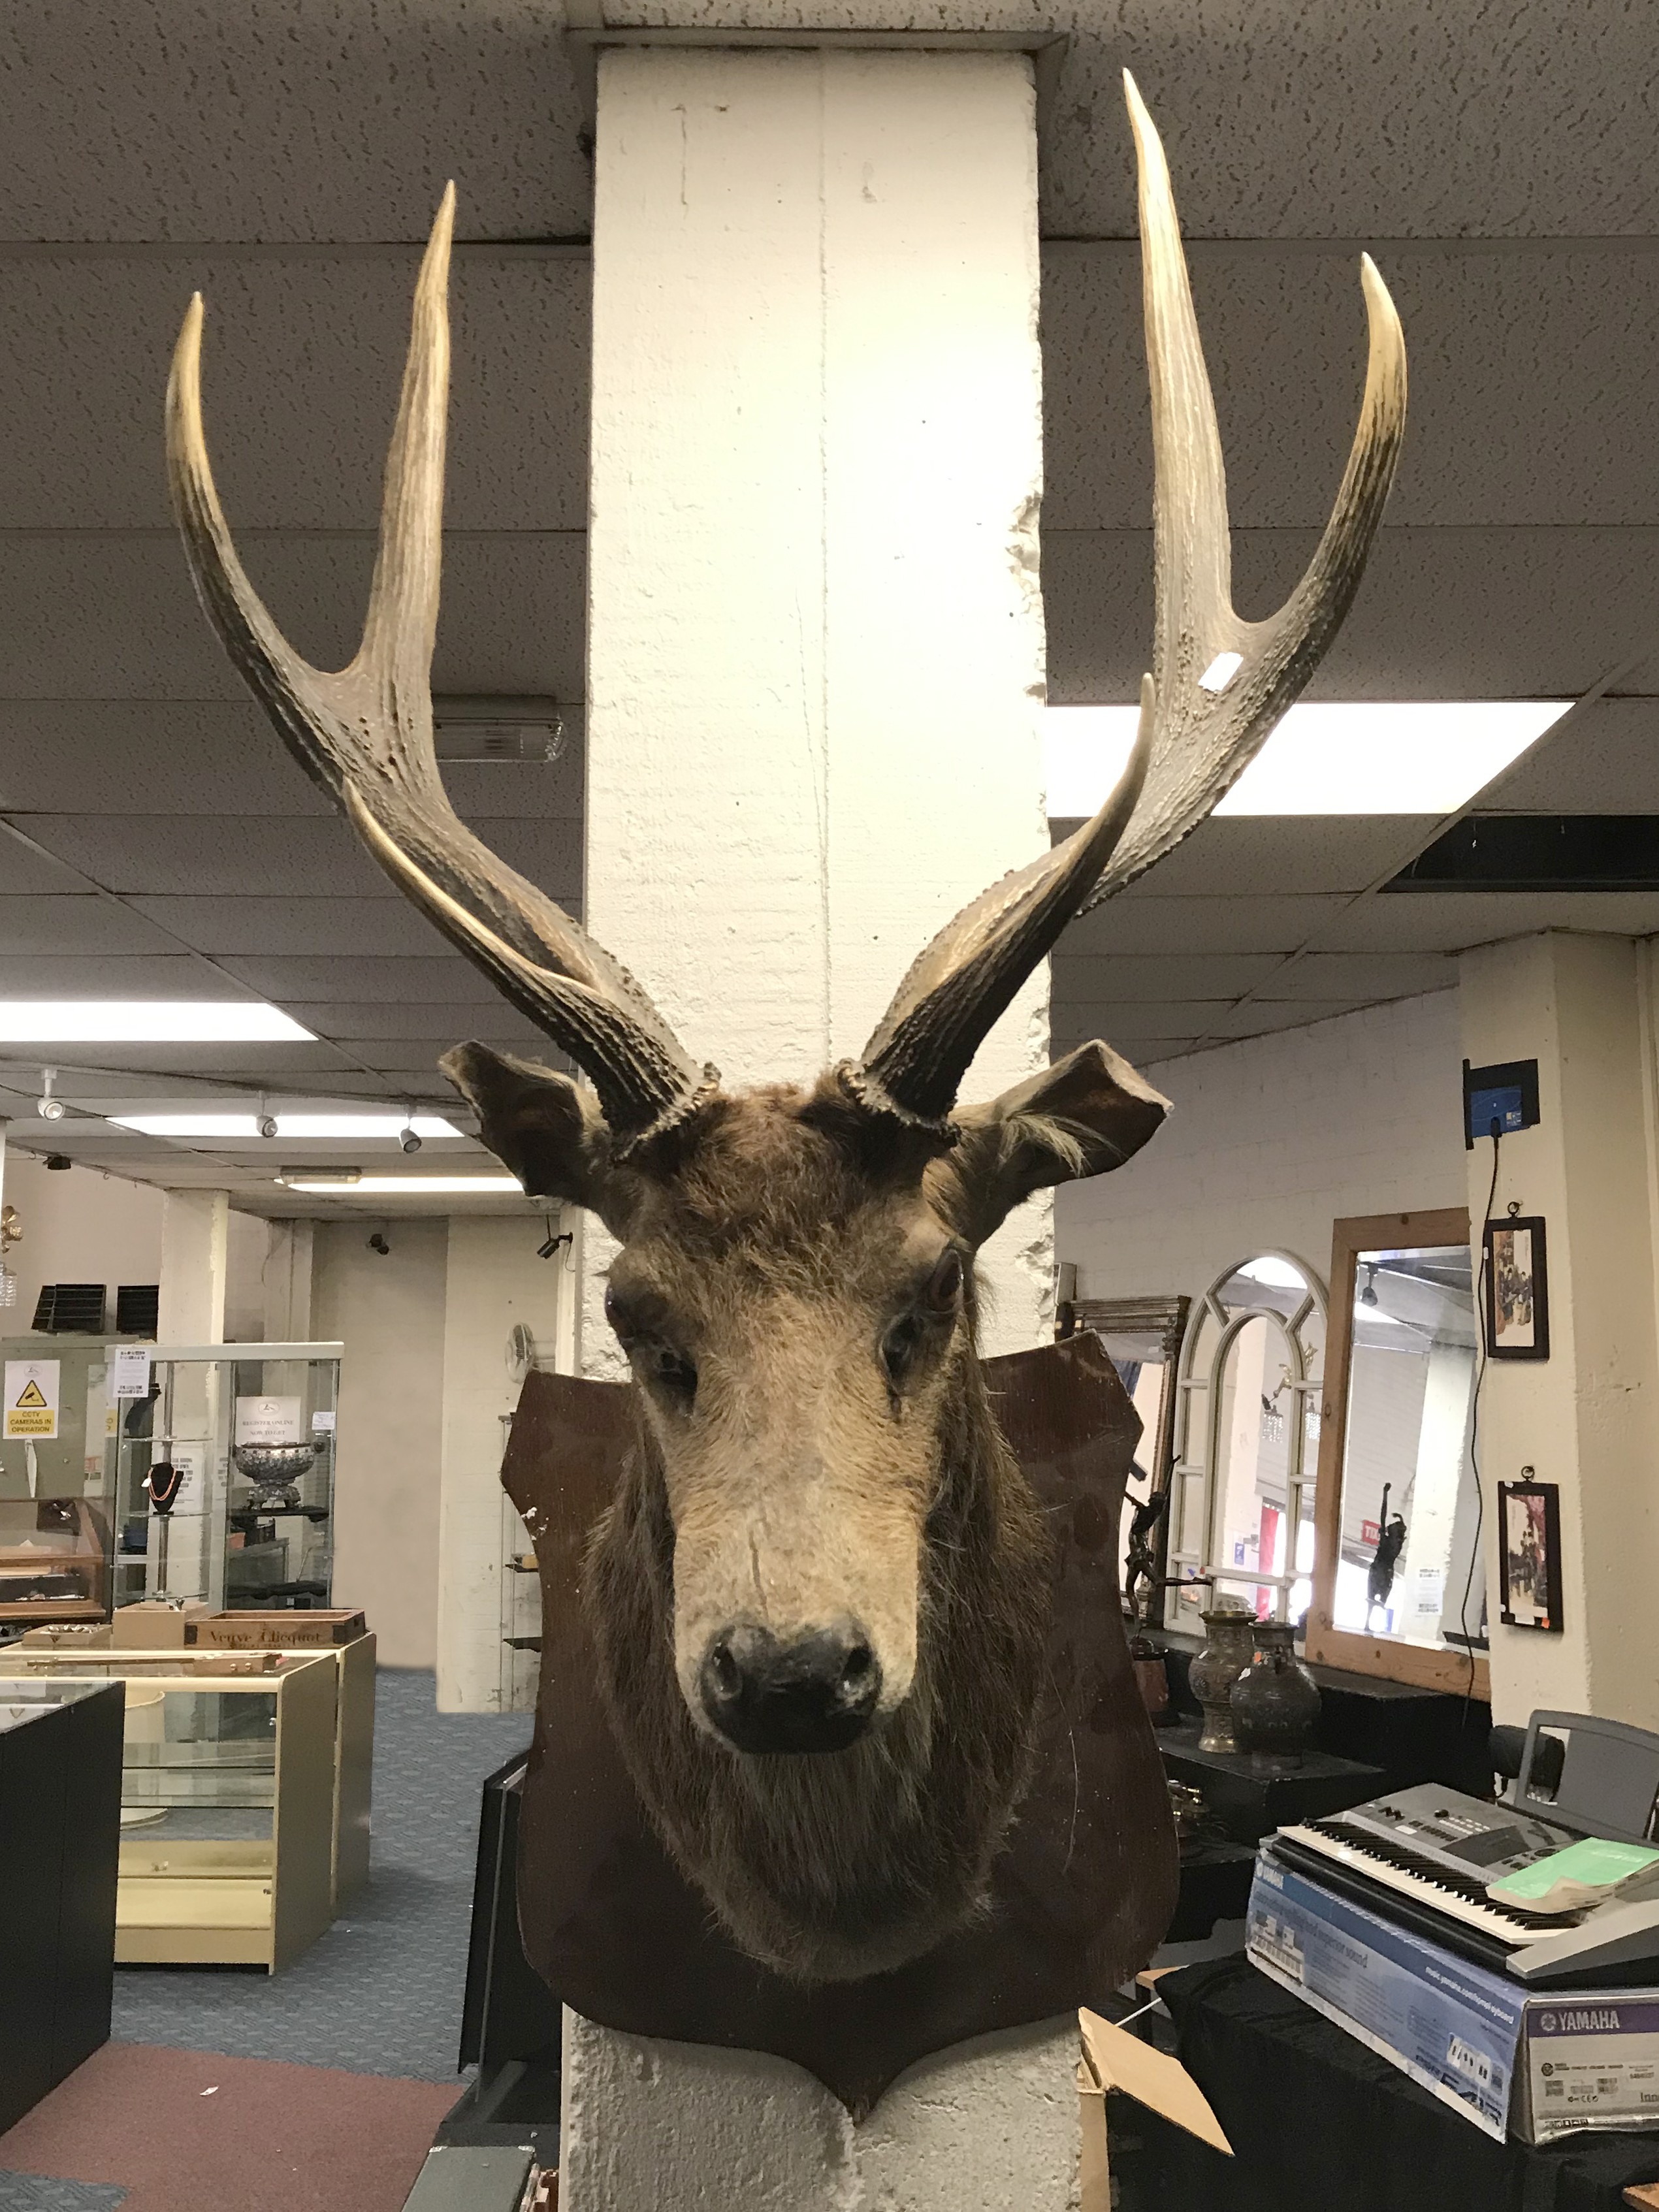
<point x="1512" y="2061"/>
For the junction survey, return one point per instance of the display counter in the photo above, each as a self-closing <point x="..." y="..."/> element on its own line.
<point x="229" y="1799"/>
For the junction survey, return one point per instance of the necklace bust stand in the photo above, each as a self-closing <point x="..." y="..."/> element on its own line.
<point x="1082" y="1894"/>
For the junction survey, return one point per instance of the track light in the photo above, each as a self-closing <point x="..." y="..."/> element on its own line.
<point x="408" y="1141"/>
<point x="50" y="1109"/>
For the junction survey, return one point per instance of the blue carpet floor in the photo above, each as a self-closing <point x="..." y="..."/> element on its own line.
<point x="380" y="1993"/>
<point x="32" y="2193"/>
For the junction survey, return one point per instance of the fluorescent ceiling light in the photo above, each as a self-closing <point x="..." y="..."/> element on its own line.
<point x="392" y="1186"/>
<point x="288" y="1125"/>
<point x="1421" y="757"/>
<point x="146" y="1021"/>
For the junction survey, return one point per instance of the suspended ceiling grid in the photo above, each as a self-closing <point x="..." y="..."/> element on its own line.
<point x="285" y="158"/>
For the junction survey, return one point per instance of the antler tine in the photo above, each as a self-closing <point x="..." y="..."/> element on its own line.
<point x="365" y="732"/>
<point x="1200" y="726"/>
<point x="1208" y="733"/>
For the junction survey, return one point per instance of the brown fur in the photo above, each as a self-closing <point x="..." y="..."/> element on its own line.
<point x="770" y="1244"/>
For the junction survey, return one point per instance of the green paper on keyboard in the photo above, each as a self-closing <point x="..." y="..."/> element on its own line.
<point x="1583" y="1874"/>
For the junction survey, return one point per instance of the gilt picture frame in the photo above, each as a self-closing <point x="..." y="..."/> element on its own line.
<point x="1516" y="1299"/>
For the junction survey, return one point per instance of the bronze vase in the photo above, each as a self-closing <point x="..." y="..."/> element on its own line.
<point x="1229" y="1646"/>
<point x="1275" y="1701"/>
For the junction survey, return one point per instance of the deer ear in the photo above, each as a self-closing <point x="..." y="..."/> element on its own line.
<point x="547" y="1129"/>
<point x="1087" y="1113"/>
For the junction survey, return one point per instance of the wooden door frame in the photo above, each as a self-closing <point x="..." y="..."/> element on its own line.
<point x="1328" y="1645"/>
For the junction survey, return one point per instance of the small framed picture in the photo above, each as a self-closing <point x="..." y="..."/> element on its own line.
<point x="1517" y="1290"/>
<point x="1530" y="1535"/>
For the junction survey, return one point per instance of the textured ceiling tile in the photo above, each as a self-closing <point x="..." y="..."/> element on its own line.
<point x="1137" y="1019"/>
<point x="1531" y="402"/>
<point x="82" y="925"/>
<point x="1605" y="761"/>
<point x="392" y="1018"/>
<point x="1363" y="118"/>
<point x="264" y="856"/>
<point x="301" y="363"/>
<point x="1129" y="977"/>
<point x="1360" y="977"/>
<point x="433" y="980"/>
<point x="288" y="119"/>
<point x="252" y="925"/>
<point x="96" y="616"/>
<point x="1444" y="922"/>
<point x="239" y="856"/>
<point x="1153" y="924"/>
<point x="25" y="871"/>
<point x="420" y="1055"/>
<point x="1441" y="614"/>
<point x="1260" y="852"/>
<point x="1259" y="1018"/>
<point x="241" y="1062"/>
<point x="159" y="976"/>
<point x="148" y="756"/>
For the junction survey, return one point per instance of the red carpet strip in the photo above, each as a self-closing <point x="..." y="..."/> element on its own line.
<point x="185" y="2131"/>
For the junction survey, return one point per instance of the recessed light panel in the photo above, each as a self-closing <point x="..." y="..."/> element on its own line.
<point x="335" y="1125"/>
<point x="373" y="1185"/>
<point x="1424" y="758"/>
<point x="146" y="1021"/>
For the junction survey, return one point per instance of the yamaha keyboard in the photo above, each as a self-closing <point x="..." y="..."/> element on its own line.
<point x="1425" y="1857"/>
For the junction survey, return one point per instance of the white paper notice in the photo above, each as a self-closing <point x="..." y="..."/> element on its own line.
<point x="129" y="1371"/>
<point x="267" y="1421"/>
<point x="31" y="1397"/>
<point x="322" y="1425"/>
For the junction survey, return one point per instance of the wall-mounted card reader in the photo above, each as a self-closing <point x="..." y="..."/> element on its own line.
<point x="1505" y="1094"/>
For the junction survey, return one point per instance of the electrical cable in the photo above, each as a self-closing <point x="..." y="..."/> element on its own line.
<point x="1475" y="1424"/>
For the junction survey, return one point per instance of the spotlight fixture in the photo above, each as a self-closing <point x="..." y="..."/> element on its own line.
<point x="57" y="1162"/>
<point x="1368" y="1296"/>
<point x="50" y="1109"/>
<point x="545" y="1251"/>
<point x="266" y="1124"/>
<point x="409" y="1137"/>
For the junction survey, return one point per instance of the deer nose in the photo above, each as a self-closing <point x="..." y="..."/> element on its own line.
<point x="815" y="1693"/>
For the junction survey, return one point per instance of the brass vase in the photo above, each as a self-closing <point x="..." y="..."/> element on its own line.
<point x="1275" y="1701"/>
<point x="1229" y="1648"/>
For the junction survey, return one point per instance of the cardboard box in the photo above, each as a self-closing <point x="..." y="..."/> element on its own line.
<point x="1517" y="2062"/>
<point x="153" y="1625"/>
<point x="316" y="1628"/>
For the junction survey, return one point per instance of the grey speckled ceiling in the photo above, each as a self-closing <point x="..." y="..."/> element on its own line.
<point x="284" y="155"/>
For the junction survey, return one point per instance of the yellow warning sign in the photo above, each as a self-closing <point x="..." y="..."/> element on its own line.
<point x="32" y="1397"/>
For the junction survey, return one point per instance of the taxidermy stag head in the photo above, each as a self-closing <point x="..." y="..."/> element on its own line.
<point x="820" y="1600"/>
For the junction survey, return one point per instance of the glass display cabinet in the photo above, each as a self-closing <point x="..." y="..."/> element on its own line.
<point x="227" y="1796"/>
<point x="240" y="1439"/>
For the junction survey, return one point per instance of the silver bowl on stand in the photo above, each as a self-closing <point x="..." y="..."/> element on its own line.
<point x="274" y="1471"/>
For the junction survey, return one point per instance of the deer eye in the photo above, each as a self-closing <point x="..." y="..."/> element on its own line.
<point x="945" y="1284"/>
<point x="671" y="1371"/>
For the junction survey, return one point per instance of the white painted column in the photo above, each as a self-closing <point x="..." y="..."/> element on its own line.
<point x="194" y="1230"/>
<point x="816" y="662"/>
<point x="1587" y="1417"/>
<point x="494" y="1281"/>
<point x="287" y="1281"/>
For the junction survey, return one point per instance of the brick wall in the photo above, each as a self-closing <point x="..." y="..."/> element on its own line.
<point x="1268" y="1142"/>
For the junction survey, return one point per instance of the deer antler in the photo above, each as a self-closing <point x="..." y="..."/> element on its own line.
<point x="1200" y="724"/>
<point x="365" y="733"/>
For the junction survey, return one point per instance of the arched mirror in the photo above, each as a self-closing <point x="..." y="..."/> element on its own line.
<point x="1248" y="1390"/>
<point x="1401" y="1587"/>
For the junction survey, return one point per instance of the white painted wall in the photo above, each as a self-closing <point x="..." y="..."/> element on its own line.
<point x="1271" y="1140"/>
<point x="389" y="1313"/>
<point x="80" y="1225"/>
<point x="1587" y="1417"/>
<point x="494" y="1281"/>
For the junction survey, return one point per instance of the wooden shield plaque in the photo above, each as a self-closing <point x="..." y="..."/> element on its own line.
<point x="1081" y="1895"/>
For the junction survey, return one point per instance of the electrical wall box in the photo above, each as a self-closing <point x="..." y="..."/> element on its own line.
<point x="1506" y="1093"/>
